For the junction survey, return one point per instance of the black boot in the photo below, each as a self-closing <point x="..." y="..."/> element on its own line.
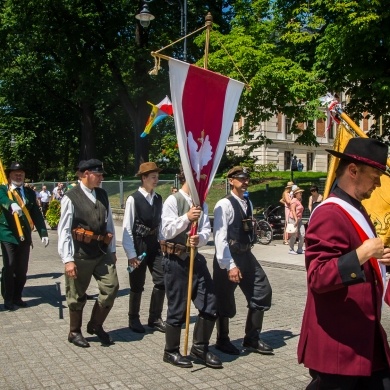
<point x="200" y="347"/>
<point x="95" y="325"/>
<point x="172" y="353"/>
<point x="253" y="326"/>
<point x="75" y="322"/>
<point x="223" y="341"/>
<point x="156" y="305"/>
<point x="134" y="306"/>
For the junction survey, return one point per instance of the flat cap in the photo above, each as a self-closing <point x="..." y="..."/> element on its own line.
<point x="92" y="165"/>
<point x="239" y="172"/>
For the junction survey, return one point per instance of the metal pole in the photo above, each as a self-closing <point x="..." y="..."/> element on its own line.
<point x="185" y="31"/>
<point x="60" y="309"/>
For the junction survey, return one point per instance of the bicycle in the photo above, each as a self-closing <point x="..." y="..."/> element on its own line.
<point x="263" y="229"/>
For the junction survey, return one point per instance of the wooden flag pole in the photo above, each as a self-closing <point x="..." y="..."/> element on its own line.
<point x="194" y="228"/>
<point x="356" y="128"/>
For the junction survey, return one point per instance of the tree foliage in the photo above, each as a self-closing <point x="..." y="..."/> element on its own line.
<point x="74" y="76"/>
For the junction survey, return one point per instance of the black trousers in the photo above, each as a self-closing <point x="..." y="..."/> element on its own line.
<point x="176" y="284"/>
<point x="254" y="284"/>
<point x="379" y="380"/>
<point x="138" y="276"/>
<point x="15" y="266"/>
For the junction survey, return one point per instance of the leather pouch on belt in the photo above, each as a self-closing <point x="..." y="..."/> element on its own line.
<point x="88" y="236"/>
<point x="78" y="234"/>
<point x="170" y="248"/>
<point x="180" y="249"/>
<point x="163" y="246"/>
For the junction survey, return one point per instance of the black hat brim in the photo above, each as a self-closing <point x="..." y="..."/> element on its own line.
<point x="347" y="157"/>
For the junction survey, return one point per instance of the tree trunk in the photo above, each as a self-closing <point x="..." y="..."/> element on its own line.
<point x="87" y="144"/>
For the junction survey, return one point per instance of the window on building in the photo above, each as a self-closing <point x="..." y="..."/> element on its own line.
<point x="287" y="160"/>
<point x="287" y="124"/>
<point x="320" y="128"/>
<point x="309" y="161"/>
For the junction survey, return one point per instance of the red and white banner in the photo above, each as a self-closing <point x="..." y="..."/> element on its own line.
<point x="204" y="104"/>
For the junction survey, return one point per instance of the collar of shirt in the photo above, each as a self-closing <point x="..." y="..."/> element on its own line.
<point x="149" y="196"/>
<point x="91" y="194"/>
<point x="242" y="202"/>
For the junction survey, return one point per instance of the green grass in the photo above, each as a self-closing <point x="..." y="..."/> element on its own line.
<point x="262" y="192"/>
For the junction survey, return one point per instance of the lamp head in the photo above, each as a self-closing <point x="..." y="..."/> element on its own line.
<point x="145" y="17"/>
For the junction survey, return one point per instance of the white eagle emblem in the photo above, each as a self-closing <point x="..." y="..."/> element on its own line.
<point x="200" y="155"/>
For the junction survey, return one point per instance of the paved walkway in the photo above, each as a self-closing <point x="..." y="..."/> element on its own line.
<point x="35" y="353"/>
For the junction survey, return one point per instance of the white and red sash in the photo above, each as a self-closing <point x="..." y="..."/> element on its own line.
<point x="362" y="227"/>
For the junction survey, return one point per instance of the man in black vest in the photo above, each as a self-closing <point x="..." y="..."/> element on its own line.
<point x="235" y="265"/>
<point x="177" y="217"/>
<point x="141" y="223"/>
<point x="86" y="246"/>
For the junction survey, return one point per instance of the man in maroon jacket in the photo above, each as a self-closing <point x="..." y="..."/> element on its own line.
<point x="342" y="341"/>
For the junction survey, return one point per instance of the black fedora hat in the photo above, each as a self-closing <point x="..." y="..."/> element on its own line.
<point x="367" y="151"/>
<point x="15" y="166"/>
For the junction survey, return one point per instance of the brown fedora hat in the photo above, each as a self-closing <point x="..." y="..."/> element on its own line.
<point x="148" y="167"/>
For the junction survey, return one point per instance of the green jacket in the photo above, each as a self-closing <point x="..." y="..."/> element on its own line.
<point x="8" y="231"/>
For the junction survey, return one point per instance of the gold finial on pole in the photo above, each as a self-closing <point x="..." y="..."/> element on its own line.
<point x="209" y="26"/>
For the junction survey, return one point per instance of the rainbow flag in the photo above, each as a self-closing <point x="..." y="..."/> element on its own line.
<point x="159" y="112"/>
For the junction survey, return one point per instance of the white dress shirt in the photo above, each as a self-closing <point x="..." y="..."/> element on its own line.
<point x="172" y="224"/>
<point x="223" y="217"/>
<point x="65" y="241"/>
<point x="128" y="222"/>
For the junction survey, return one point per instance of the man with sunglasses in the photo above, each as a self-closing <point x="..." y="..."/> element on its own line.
<point x="235" y="265"/>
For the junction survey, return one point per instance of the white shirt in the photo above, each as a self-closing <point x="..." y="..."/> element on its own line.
<point x="223" y="217"/>
<point x="65" y="241"/>
<point x="128" y="222"/>
<point x="14" y="187"/>
<point x="45" y="196"/>
<point x="172" y="224"/>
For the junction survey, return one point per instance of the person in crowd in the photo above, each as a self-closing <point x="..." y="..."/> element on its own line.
<point x="37" y="195"/>
<point x="342" y="340"/>
<point x="315" y="198"/>
<point x="286" y="200"/>
<point x="177" y="217"/>
<point x="235" y="265"/>
<point x="58" y="191"/>
<point x="45" y="200"/>
<point x="295" y="217"/>
<point x="300" y="165"/>
<point x="140" y="234"/>
<point x="86" y="245"/>
<point x="294" y="164"/>
<point x="18" y="204"/>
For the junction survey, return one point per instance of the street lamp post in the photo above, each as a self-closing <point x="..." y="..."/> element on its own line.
<point x="183" y="24"/>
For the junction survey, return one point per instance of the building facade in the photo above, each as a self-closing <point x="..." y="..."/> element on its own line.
<point x="284" y="147"/>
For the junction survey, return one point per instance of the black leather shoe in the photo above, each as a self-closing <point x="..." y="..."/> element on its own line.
<point x="136" y="326"/>
<point x="78" y="340"/>
<point x="259" y="346"/>
<point x="102" y="335"/>
<point x="227" y="347"/>
<point x="177" y="359"/>
<point x="9" y="305"/>
<point x="20" y="303"/>
<point x="158" y="325"/>
<point x="208" y="358"/>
